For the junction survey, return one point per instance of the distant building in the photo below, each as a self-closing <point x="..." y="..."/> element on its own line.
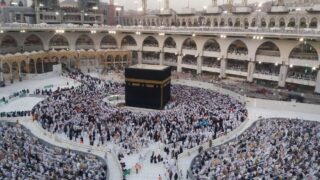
<point x="301" y="2"/>
<point x="20" y="3"/>
<point x="69" y="4"/>
<point x="52" y="4"/>
<point x="88" y="4"/>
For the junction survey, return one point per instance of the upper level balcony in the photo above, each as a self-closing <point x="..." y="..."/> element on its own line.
<point x="238" y="31"/>
<point x="238" y="56"/>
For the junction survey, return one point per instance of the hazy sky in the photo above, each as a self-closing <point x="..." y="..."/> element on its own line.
<point x="175" y="4"/>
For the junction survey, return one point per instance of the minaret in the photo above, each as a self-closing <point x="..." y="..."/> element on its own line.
<point x="244" y="2"/>
<point x="166" y="4"/>
<point x="229" y="5"/>
<point x="230" y="2"/>
<point x="214" y="3"/>
<point x="280" y="3"/>
<point x="144" y="6"/>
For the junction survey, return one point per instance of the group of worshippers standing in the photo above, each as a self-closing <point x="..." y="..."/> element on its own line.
<point x="22" y="156"/>
<point x="195" y="116"/>
<point x="270" y="149"/>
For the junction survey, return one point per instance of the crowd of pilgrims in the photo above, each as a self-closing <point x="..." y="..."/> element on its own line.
<point x="271" y="149"/>
<point x="22" y="156"/>
<point x="82" y="115"/>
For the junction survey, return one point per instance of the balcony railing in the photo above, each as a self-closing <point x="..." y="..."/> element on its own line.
<point x="197" y="30"/>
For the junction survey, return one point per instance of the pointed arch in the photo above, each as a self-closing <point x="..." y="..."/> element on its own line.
<point x="303" y="23"/>
<point x="150" y="41"/>
<point x="304" y="51"/>
<point x="313" y="23"/>
<point x="128" y="41"/>
<point x="282" y="23"/>
<point x="170" y="43"/>
<point x="189" y="44"/>
<point x="292" y="22"/>
<point x="268" y="48"/>
<point x="108" y="42"/>
<point x="8" y="44"/>
<point x="211" y="45"/>
<point x="272" y="23"/>
<point x="238" y="47"/>
<point x="33" y="43"/>
<point x="58" y="42"/>
<point x="84" y="42"/>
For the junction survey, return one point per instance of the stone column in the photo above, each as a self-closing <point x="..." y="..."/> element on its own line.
<point x="318" y="83"/>
<point x="42" y="66"/>
<point x="35" y="67"/>
<point x="161" y="57"/>
<point x="1" y="71"/>
<point x="19" y="71"/>
<point x="11" y="72"/>
<point x="199" y="64"/>
<point x="283" y="75"/>
<point x="139" y="57"/>
<point x="223" y="68"/>
<point x="251" y="69"/>
<point x="179" y="62"/>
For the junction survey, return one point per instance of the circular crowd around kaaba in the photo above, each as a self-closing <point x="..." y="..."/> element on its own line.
<point x="269" y="149"/>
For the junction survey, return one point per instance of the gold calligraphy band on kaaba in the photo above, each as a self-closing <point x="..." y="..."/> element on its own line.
<point x="134" y="80"/>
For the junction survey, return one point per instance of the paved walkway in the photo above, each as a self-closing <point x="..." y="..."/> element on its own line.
<point x="151" y="171"/>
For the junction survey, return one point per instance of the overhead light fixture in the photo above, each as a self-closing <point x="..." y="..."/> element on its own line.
<point x="138" y="33"/>
<point x="301" y="39"/>
<point x="60" y="31"/>
<point x="162" y="34"/>
<point x="1" y="31"/>
<point x="223" y="36"/>
<point x="93" y="32"/>
<point x="23" y="31"/>
<point x="112" y="32"/>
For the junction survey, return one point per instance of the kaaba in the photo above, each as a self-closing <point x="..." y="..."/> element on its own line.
<point x="147" y="86"/>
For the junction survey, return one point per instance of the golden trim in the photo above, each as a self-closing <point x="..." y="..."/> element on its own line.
<point x="134" y="80"/>
<point x="135" y="84"/>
